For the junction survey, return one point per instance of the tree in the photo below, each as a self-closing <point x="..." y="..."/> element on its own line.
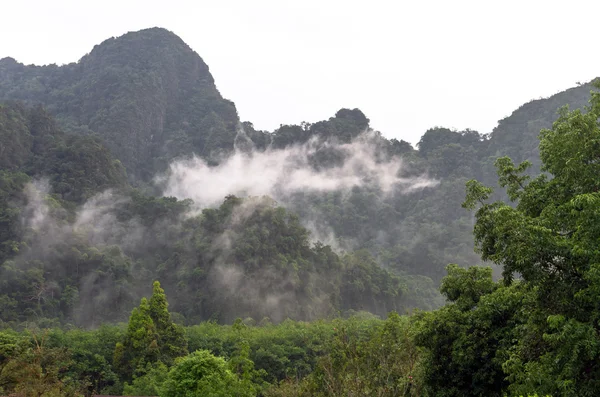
<point x="201" y="374"/>
<point x="468" y="340"/>
<point x="151" y="337"/>
<point x="465" y="287"/>
<point x="241" y="364"/>
<point x="367" y="357"/>
<point x="31" y="368"/>
<point x="550" y="240"/>
<point x="171" y="338"/>
<point x="141" y="342"/>
<point x="148" y="384"/>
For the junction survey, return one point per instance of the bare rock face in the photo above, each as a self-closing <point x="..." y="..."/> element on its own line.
<point x="146" y="94"/>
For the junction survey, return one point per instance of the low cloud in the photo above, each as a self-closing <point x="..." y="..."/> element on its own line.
<point x="281" y="172"/>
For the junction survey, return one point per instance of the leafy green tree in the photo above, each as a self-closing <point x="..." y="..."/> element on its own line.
<point x="467" y="341"/>
<point x="366" y="357"/>
<point x="91" y="354"/>
<point x="148" y="384"/>
<point x="465" y="287"/>
<point x="240" y="362"/>
<point x="31" y="368"/>
<point x="171" y="337"/>
<point x="140" y="345"/>
<point x="151" y="337"/>
<point x="202" y="374"/>
<point x="550" y="240"/>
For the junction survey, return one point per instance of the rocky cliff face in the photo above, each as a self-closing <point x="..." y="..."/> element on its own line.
<point x="147" y="95"/>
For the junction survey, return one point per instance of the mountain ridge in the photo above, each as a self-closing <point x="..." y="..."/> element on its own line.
<point x="171" y="108"/>
<point x="392" y="212"/>
<point x="299" y="238"/>
<point x="146" y="94"/>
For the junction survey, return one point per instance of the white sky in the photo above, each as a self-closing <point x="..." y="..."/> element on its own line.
<point x="409" y="65"/>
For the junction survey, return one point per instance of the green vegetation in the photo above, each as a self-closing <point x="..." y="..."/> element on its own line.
<point x="258" y="307"/>
<point x="151" y="337"/>
<point x="150" y="99"/>
<point x="145" y="95"/>
<point x="74" y="253"/>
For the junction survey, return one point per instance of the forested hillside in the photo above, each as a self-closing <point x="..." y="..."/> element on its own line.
<point x="145" y="94"/>
<point x="126" y="175"/>
<point x="80" y="246"/>
<point x="152" y="101"/>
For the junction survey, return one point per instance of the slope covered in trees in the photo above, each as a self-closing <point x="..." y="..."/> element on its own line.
<point x="80" y="246"/>
<point x="308" y="222"/>
<point x="152" y="101"/>
<point x="146" y="94"/>
<point x="517" y="136"/>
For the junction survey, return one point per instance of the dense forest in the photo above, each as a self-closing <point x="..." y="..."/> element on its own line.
<point x="316" y="259"/>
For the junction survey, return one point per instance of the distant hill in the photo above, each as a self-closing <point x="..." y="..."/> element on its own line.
<point x="517" y="134"/>
<point x="151" y="99"/>
<point x="74" y="139"/>
<point x="77" y="167"/>
<point x="146" y="94"/>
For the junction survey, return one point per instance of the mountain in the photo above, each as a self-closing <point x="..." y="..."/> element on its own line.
<point x="78" y="244"/>
<point x="146" y="94"/>
<point x="150" y="98"/>
<point x="309" y="219"/>
<point x="516" y="136"/>
<point x="77" y="167"/>
<point x="127" y="175"/>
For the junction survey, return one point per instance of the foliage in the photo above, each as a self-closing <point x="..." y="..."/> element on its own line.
<point x="77" y="245"/>
<point x="366" y="356"/>
<point x="144" y="94"/>
<point x="202" y="374"/>
<point x="150" y="383"/>
<point x="468" y="340"/>
<point x="151" y="337"/>
<point x="550" y="240"/>
<point x="30" y="368"/>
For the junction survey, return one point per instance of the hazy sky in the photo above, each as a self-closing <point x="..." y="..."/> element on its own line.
<point x="409" y="65"/>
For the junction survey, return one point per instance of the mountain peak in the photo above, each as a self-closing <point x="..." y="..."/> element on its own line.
<point x="147" y="94"/>
<point x="146" y="48"/>
<point x="151" y="38"/>
<point x="8" y="61"/>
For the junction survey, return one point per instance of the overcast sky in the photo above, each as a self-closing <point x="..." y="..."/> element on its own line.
<point x="409" y="65"/>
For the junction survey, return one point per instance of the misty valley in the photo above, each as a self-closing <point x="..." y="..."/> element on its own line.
<point x="154" y="244"/>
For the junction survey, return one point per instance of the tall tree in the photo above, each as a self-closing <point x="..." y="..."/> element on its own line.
<point x="151" y="337"/>
<point x="550" y="240"/>
<point x="171" y="338"/>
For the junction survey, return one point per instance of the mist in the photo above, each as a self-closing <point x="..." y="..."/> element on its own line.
<point x="280" y="173"/>
<point x="315" y="167"/>
<point x="289" y="176"/>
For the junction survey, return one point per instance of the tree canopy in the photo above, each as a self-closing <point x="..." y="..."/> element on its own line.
<point x="314" y="291"/>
